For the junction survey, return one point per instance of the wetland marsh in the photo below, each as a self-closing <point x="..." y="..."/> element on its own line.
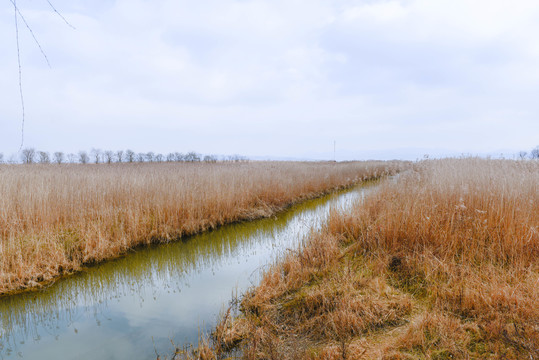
<point x="120" y="309"/>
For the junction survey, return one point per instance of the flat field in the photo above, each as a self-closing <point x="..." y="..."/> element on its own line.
<point x="442" y="263"/>
<point x="55" y="219"/>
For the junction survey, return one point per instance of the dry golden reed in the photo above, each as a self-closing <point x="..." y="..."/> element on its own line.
<point x="56" y="218"/>
<point x="441" y="263"/>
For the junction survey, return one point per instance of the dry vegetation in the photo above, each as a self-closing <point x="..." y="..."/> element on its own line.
<point x="54" y="219"/>
<point x="441" y="264"/>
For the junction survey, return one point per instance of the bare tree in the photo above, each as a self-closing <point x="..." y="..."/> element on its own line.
<point x="192" y="157"/>
<point x="28" y="155"/>
<point x="170" y="157"/>
<point x="58" y="157"/>
<point x="1" y="158"/>
<point x="534" y="154"/>
<point x="109" y="156"/>
<point x="210" y="158"/>
<point x="159" y="157"/>
<point x="130" y="155"/>
<point x="237" y="158"/>
<point x="179" y="156"/>
<point x="150" y="156"/>
<point x="71" y="158"/>
<point x="96" y="155"/>
<point x="141" y="157"/>
<point x="44" y="157"/>
<point x="83" y="157"/>
<point x="522" y="155"/>
<point x="119" y="155"/>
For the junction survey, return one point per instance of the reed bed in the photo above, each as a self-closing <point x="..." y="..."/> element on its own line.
<point x="55" y="219"/>
<point x="442" y="263"/>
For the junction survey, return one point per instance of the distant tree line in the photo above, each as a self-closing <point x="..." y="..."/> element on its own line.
<point x="534" y="154"/>
<point x="97" y="156"/>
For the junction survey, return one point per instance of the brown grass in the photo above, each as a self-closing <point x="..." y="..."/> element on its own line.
<point x="54" y="219"/>
<point x="441" y="264"/>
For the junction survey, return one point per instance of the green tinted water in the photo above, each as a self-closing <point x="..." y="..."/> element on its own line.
<point x="172" y="291"/>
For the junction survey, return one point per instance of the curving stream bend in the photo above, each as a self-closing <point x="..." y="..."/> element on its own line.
<point x="127" y="308"/>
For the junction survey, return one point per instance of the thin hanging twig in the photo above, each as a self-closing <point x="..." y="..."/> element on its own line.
<point x="17" y="14"/>
<point x="61" y="16"/>
<point x="30" y="30"/>
<point x="14" y="2"/>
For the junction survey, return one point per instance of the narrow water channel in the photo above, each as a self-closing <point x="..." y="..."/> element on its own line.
<point x="126" y="308"/>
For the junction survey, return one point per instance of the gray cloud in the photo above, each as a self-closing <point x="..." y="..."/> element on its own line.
<point x="275" y="78"/>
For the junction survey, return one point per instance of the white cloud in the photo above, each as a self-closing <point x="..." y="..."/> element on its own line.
<point x="381" y="13"/>
<point x="275" y="76"/>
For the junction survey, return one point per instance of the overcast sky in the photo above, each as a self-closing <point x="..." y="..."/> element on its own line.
<point x="279" y="78"/>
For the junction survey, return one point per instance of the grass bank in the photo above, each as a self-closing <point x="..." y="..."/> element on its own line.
<point x="441" y="264"/>
<point x="55" y="219"/>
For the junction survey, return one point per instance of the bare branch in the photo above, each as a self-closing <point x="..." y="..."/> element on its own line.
<point x="14" y="2"/>
<point x="61" y="16"/>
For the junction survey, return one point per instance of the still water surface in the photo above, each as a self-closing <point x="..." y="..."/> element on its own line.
<point x="123" y="308"/>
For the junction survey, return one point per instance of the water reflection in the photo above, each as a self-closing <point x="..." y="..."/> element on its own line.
<point x="172" y="291"/>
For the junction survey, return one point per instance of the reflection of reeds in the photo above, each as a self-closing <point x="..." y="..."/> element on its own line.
<point x="54" y="219"/>
<point x="443" y="263"/>
<point x="149" y="269"/>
